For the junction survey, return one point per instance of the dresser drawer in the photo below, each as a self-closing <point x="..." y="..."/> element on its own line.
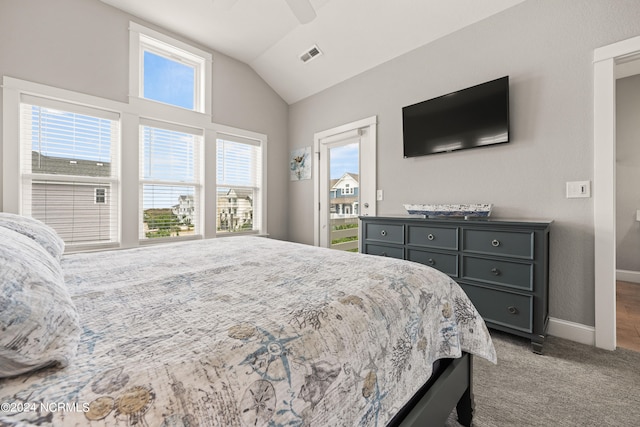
<point x="433" y="237"/>
<point x="384" y="251"/>
<point x="517" y="244"/>
<point x="512" y="274"/>
<point x="503" y="308"/>
<point x="447" y="263"/>
<point x="390" y="233"/>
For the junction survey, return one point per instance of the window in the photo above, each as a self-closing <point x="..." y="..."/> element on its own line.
<point x="100" y="196"/>
<point x="170" y="180"/>
<point x="168" y="71"/>
<point x="239" y="184"/>
<point x="69" y="169"/>
<point x="168" y="80"/>
<point x="62" y="149"/>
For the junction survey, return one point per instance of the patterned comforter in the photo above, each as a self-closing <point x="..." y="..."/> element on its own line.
<point x="246" y="331"/>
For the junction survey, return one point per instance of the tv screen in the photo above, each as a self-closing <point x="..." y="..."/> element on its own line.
<point x="474" y="117"/>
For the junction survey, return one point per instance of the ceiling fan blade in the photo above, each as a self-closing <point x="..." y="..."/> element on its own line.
<point x="303" y="10"/>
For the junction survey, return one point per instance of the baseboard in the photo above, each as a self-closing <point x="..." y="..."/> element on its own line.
<point x="577" y="332"/>
<point x="628" y="276"/>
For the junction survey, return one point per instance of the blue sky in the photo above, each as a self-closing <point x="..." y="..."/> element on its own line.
<point x="344" y="159"/>
<point x="168" y="81"/>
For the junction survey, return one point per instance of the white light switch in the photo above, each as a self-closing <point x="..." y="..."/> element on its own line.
<point x="379" y="195"/>
<point x="578" y="189"/>
<point x="637" y="215"/>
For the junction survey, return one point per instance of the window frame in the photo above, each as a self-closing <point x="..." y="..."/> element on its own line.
<point x="142" y="38"/>
<point x="197" y="182"/>
<point x="259" y="216"/>
<point x="27" y="178"/>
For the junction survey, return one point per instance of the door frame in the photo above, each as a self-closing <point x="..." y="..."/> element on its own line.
<point x="335" y="134"/>
<point x="605" y="60"/>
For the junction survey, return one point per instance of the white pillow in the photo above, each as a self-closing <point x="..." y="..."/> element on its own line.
<point x="39" y="324"/>
<point x="36" y="230"/>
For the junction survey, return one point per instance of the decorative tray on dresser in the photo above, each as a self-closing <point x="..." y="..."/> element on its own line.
<point x="503" y="265"/>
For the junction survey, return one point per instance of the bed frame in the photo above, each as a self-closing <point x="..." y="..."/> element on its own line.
<point x="433" y="404"/>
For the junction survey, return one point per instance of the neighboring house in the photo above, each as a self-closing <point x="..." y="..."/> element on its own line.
<point x="344" y="195"/>
<point x="235" y="210"/>
<point x="78" y="211"/>
<point x="184" y="210"/>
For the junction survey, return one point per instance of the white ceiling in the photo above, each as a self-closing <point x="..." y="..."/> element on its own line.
<point x="353" y="35"/>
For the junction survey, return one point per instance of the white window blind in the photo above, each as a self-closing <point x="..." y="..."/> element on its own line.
<point x="170" y="180"/>
<point x="69" y="156"/>
<point x="239" y="184"/>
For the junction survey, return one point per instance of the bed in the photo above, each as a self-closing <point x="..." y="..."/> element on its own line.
<point x="238" y="331"/>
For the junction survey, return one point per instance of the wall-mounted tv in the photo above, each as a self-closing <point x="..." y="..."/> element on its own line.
<point x="473" y="117"/>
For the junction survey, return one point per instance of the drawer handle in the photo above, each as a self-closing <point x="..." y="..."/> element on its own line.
<point x="383" y="232"/>
<point x="495" y="271"/>
<point x="512" y="310"/>
<point x="431" y="261"/>
<point x="495" y="243"/>
<point x="430" y="236"/>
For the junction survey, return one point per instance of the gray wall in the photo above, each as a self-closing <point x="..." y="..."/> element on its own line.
<point x="546" y="47"/>
<point x="628" y="173"/>
<point x="83" y="45"/>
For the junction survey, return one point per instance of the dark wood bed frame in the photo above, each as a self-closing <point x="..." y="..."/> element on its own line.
<point x="452" y="388"/>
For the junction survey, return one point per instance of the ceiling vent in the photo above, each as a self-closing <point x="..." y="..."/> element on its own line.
<point x="310" y="54"/>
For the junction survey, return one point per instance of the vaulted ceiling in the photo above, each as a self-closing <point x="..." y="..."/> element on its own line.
<point x="352" y="35"/>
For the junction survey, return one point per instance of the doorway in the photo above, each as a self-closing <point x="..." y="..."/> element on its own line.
<point x="345" y="183"/>
<point x="607" y="62"/>
<point x="627" y="213"/>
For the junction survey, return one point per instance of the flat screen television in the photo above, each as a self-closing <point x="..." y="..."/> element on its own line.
<point x="473" y="117"/>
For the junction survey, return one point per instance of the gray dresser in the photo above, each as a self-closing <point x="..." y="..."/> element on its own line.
<point x="502" y="265"/>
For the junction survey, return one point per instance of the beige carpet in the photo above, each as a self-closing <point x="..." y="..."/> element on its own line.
<point x="569" y="385"/>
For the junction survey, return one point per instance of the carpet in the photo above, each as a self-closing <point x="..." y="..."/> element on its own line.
<point x="570" y="384"/>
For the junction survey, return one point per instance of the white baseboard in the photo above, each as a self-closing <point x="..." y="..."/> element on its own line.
<point x="572" y="331"/>
<point x="628" y="276"/>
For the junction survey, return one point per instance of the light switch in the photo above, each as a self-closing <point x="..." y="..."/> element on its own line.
<point x="379" y="195"/>
<point x="578" y="189"/>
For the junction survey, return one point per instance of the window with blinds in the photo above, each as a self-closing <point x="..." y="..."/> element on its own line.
<point x="238" y="184"/>
<point x="169" y="180"/>
<point x="69" y="169"/>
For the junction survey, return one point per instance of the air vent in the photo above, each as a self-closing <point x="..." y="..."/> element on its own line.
<point x="310" y="54"/>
